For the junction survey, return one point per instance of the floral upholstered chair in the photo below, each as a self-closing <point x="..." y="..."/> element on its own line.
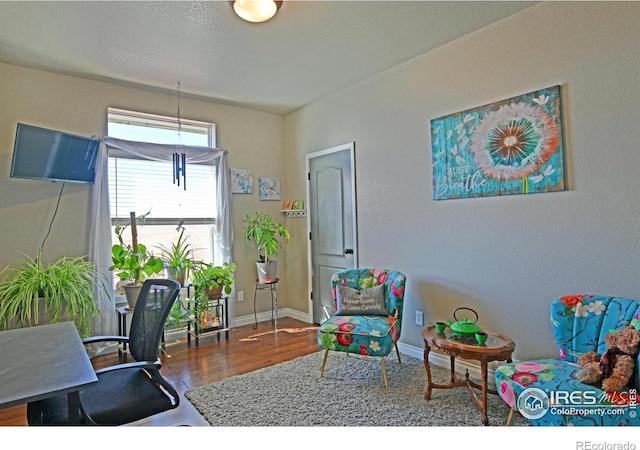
<point x="368" y="304"/>
<point x="547" y="391"/>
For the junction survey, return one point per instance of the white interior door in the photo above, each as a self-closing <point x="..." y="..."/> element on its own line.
<point x="331" y="221"/>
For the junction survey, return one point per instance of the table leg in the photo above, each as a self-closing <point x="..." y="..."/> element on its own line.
<point x="452" y="363"/>
<point x="255" y="314"/>
<point x="226" y="317"/>
<point x="122" y="331"/>
<point x="274" y="292"/>
<point x="73" y="401"/>
<point x="484" y="369"/>
<point x="427" y="394"/>
<point x="119" y="319"/>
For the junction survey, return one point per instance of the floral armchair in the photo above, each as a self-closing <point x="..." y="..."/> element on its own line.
<point x="368" y="316"/>
<point x="547" y="391"/>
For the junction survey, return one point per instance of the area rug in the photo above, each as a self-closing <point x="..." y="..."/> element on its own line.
<point x="351" y="394"/>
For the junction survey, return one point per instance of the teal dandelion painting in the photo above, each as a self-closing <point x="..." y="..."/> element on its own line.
<point x="510" y="147"/>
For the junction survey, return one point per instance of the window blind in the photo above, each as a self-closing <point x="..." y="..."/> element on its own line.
<point x="142" y="186"/>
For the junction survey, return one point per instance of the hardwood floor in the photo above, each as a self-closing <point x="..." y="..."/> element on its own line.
<point x="188" y="366"/>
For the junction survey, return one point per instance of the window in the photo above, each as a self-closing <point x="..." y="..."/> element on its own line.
<point x="141" y="185"/>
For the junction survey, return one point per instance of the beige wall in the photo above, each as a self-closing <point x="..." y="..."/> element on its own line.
<point x="254" y="140"/>
<point x="507" y="257"/>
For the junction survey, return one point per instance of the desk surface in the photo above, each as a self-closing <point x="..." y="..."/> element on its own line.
<point x="42" y="361"/>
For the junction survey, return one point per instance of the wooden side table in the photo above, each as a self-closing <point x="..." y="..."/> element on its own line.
<point x="497" y="348"/>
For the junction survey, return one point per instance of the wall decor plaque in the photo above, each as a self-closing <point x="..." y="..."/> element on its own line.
<point x="513" y="146"/>
<point x="269" y="188"/>
<point x="241" y="181"/>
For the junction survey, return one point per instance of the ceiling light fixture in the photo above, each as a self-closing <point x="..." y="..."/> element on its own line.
<point x="256" y="10"/>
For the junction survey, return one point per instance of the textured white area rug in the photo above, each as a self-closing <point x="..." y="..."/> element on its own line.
<point x="351" y="393"/>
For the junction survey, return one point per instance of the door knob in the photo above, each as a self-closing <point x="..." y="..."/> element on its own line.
<point x="348" y="251"/>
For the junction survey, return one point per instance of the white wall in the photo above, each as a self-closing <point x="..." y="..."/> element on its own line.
<point x="506" y="257"/>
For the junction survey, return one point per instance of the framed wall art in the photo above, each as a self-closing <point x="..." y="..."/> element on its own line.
<point x="241" y="181"/>
<point x="514" y="146"/>
<point x="269" y="188"/>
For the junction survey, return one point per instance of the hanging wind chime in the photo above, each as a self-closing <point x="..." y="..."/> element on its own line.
<point x="179" y="158"/>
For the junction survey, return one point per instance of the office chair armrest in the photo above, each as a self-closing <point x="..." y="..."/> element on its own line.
<point x="152" y="365"/>
<point x="93" y="339"/>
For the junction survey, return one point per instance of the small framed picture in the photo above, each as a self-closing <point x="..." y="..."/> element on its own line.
<point x="269" y="188"/>
<point x="241" y="181"/>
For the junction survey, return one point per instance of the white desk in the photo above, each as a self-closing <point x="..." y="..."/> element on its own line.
<point x="44" y="361"/>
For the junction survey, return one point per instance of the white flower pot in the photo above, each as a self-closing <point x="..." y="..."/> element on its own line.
<point x="267" y="272"/>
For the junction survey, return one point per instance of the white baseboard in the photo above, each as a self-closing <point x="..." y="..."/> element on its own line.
<point x="174" y="335"/>
<point x="266" y="315"/>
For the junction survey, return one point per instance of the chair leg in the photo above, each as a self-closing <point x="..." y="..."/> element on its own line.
<point x="324" y="362"/>
<point x="510" y="418"/>
<point x="384" y="373"/>
<point x="398" y="352"/>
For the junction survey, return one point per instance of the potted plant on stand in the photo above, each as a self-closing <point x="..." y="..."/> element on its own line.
<point x="211" y="280"/>
<point x="267" y="235"/>
<point x="178" y="258"/>
<point x="133" y="262"/>
<point x="33" y="293"/>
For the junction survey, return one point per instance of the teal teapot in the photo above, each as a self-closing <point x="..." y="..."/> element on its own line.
<point x="464" y="327"/>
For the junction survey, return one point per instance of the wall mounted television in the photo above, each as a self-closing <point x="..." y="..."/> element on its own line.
<point x="43" y="154"/>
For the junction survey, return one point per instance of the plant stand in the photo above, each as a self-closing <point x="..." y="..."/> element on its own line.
<point x="271" y="286"/>
<point x="212" y="319"/>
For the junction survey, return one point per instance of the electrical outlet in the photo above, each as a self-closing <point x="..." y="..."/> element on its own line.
<point x="240" y="296"/>
<point x="419" y="318"/>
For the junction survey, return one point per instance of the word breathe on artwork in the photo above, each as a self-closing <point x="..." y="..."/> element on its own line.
<point x="467" y="183"/>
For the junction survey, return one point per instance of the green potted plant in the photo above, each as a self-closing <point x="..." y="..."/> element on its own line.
<point x="178" y="258"/>
<point x="133" y="263"/>
<point x="179" y="316"/>
<point x="211" y="280"/>
<point x="267" y="234"/>
<point x="33" y="293"/>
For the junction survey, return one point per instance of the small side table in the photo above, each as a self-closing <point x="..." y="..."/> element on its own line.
<point x="270" y="286"/>
<point x="220" y="308"/>
<point x="497" y="348"/>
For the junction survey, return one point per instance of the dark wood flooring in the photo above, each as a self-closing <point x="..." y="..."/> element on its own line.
<point x="188" y="366"/>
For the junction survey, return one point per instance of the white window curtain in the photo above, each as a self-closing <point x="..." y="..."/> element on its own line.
<point x="100" y="236"/>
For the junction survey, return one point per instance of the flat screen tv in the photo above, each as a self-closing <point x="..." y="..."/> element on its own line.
<point x="43" y="154"/>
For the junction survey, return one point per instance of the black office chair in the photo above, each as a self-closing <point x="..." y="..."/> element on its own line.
<point x="125" y="392"/>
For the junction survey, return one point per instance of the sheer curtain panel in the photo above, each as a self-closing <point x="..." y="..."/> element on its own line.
<point x="100" y="235"/>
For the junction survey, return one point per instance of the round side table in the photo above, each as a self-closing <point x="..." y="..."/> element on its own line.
<point x="498" y="347"/>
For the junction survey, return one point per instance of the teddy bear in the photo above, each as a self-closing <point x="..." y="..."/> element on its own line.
<point x="612" y="370"/>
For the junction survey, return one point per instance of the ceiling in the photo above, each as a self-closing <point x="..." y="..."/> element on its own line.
<point x="311" y="49"/>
